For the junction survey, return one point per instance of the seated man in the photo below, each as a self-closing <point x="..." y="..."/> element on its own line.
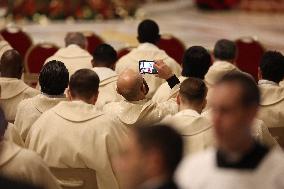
<point x="22" y="165"/>
<point x="150" y="158"/>
<point x="74" y="55"/>
<point x="136" y="109"/>
<point x="13" y="90"/>
<point x="195" y="128"/>
<point x="225" y="54"/>
<point x="4" y="46"/>
<point x="238" y="161"/>
<point x="271" y="72"/>
<point x="53" y="80"/>
<point x="75" y="135"/>
<point x="148" y="36"/>
<point x="196" y="62"/>
<point x="104" y="59"/>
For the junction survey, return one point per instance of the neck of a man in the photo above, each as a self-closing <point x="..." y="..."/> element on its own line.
<point x="88" y="101"/>
<point x="185" y="106"/>
<point x="240" y="149"/>
<point x="102" y="65"/>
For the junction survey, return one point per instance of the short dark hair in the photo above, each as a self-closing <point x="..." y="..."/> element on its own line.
<point x="193" y="89"/>
<point x="54" y="78"/>
<point x="196" y="62"/>
<point x="84" y="83"/>
<point x="105" y="54"/>
<point x="166" y="140"/>
<point x="272" y="66"/>
<point x="225" y="50"/>
<point x="3" y="123"/>
<point x="11" y="64"/>
<point x="250" y="92"/>
<point x="148" y="31"/>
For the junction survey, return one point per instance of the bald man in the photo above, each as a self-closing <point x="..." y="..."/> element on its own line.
<point x="135" y="110"/>
<point x="74" y="55"/>
<point x="14" y="90"/>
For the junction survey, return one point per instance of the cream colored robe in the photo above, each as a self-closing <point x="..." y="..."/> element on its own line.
<point x="107" y="89"/>
<point x="73" y="57"/>
<point x="281" y="83"/>
<point x="74" y="134"/>
<point x="201" y="172"/>
<point x="218" y="70"/>
<point x="147" y="51"/>
<point x="30" y="110"/>
<point x="4" y="46"/>
<point x="12" y="134"/>
<point x="259" y="131"/>
<point x="140" y="113"/>
<point x="13" y="91"/>
<point x="24" y="165"/>
<point x="196" y="130"/>
<point x="272" y="104"/>
<point x="164" y="92"/>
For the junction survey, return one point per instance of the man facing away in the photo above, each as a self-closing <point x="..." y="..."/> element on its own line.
<point x="150" y="157"/>
<point x="196" y="62"/>
<point x="74" y="55"/>
<point x="148" y="36"/>
<point x="104" y="59"/>
<point x="271" y="72"/>
<point x="238" y="161"/>
<point x="195" y="128"/>
<point x="136" y="109"/>
<point x="13" y="89"/>
<point x="53" y="80"/>
<point x="225" y="54"/>
<point x="74" y="134"/>
<point x="21" y="164"/>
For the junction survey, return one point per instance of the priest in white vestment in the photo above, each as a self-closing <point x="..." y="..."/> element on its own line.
<point x="136" y="110"/>
<point x="20" y="164"/>
<point x="104" y="59"/>
<point x="75" y="135"/>
<point x="74" y="55"/>
<point x="237" y="161"/>
<point x="53" y="80"/>
<point x="194" y="127"/>
<point x="148" y="36"/>
<point x="13" y="89"/>
<point x="271" y="73"/>
<point x="196" y="62"/>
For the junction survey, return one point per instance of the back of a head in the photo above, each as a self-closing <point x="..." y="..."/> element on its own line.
<point x="165" y="140"/>
<point x="196" y="62"/>
<point x="105" y="55"/>
<point x="11" y="64"/>
<point x="272" y="66"/>
<point x="84" y="84"/>
<point x="129" y="84"/>
<point x="148" y="31"/>
<point x="250" y="92"/>
<point x="193" y="90"/>
<point x="225" y="50"/>
<point x="54" y="78"/>
<point x="76" y="38"/>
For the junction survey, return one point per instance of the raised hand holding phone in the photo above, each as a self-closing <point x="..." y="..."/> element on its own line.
<point x="164" y="71"/>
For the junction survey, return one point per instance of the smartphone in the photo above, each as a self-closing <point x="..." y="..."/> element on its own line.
<point x="147" y="67"/>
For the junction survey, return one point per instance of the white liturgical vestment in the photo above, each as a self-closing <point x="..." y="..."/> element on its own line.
<point x="150" y="52"/>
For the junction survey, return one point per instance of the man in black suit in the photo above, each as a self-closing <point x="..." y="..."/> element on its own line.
<point x="150" y="158"/>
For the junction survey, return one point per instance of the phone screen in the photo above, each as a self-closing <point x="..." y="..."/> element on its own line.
<point x="146" y="66"/>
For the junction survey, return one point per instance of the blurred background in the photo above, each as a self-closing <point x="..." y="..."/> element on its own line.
<point x="192" y="22"/>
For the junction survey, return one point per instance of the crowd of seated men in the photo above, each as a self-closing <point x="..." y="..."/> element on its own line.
<point x="194" y="125"/>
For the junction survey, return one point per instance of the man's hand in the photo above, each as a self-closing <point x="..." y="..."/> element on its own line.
<point x="164" y="71"/>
